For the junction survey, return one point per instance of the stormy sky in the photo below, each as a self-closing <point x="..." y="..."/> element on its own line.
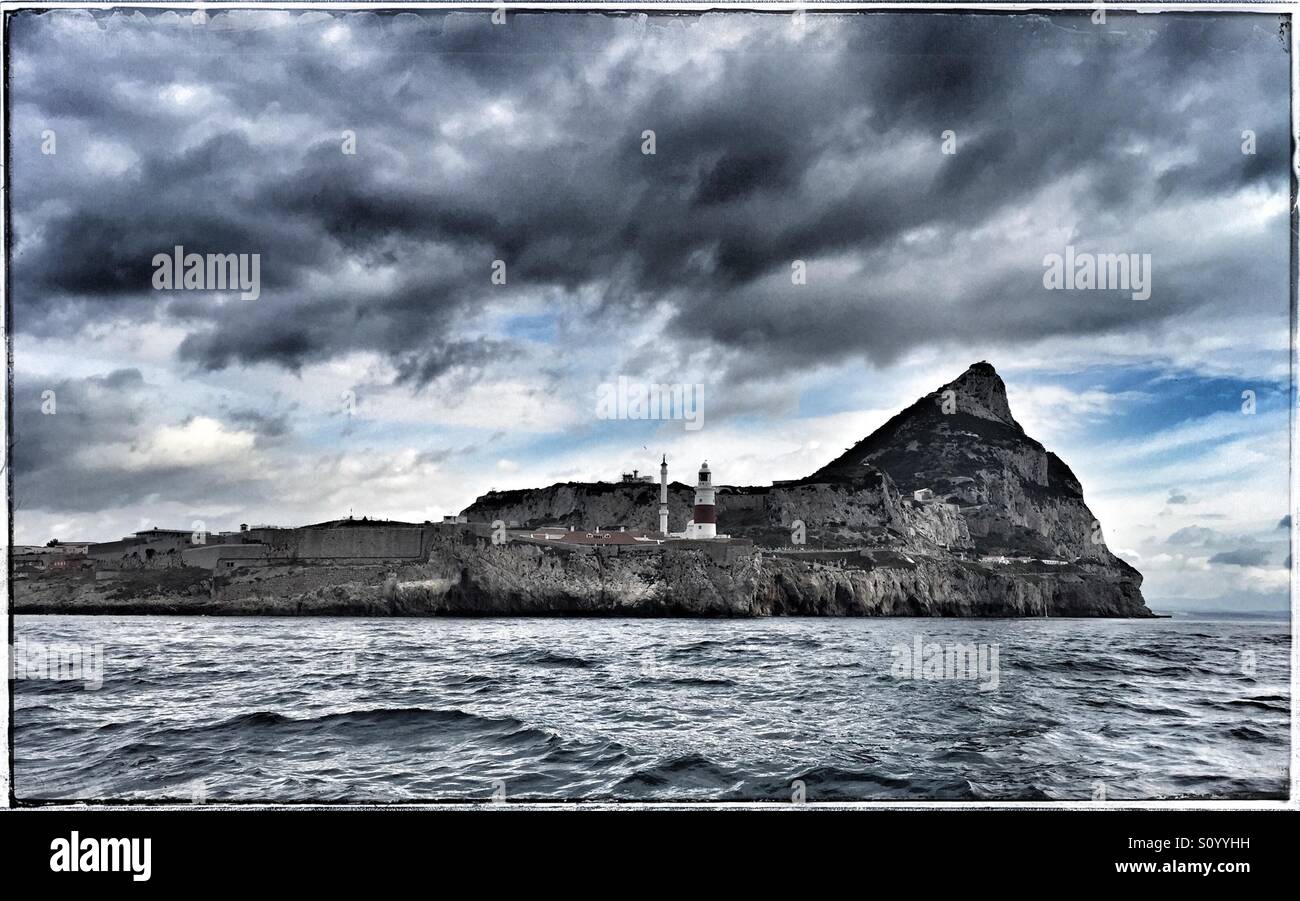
<point x="916" y="169"/>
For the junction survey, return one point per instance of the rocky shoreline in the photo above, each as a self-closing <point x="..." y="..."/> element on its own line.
<point x="469" y="576"/>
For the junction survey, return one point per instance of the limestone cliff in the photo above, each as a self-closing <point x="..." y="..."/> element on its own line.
<point x="467" y="575"/>
<point x="962" y="443"/>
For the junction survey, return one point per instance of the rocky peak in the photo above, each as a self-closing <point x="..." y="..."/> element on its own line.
<point x="964" y="448"/>
<point x="914" y="439"/>
<point x="981" y="392"/>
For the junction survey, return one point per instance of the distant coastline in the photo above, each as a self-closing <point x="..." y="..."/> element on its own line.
<point x="1236" y="615"/>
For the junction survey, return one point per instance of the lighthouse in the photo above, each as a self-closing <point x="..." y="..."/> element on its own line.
<point x="704" y="524"/>
<point x="663" y="496"/>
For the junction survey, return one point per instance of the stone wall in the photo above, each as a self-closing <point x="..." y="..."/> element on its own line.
<point x="350" y="544"/>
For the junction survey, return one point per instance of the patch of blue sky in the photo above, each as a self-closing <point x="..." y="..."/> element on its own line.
<point x="1148" y="401"/>
<point x="539" y="328"/>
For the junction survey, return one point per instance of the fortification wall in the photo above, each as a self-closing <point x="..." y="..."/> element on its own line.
<point x="354" y="543"/>
<point x="217" y="556"/>
<point x="360" y="542"/>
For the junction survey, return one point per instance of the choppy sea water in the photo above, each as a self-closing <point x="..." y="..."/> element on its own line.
<point x="244" y="709"/>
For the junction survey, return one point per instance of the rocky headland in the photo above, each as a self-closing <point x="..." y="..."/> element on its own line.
<point x="948" y="509"/>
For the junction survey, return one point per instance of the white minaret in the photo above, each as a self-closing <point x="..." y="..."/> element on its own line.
<point x="705" y="523"/>
<point x="663" y="496"/>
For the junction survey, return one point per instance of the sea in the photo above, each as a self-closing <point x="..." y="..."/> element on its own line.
<point x="258" y="709"/>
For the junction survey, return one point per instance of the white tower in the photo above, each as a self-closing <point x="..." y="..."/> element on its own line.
<point x="663" y="496"/>
<point x="705" y="521"/>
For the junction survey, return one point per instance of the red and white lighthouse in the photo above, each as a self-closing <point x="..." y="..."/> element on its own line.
<point x="704" y="524"/>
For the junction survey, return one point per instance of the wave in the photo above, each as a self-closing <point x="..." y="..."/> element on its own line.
<point x="392" y="717"/>
<point x="837" y="783"/>
<point x="473" y="679"/>
<point x="1257" y="703"/>
<point x="1136" y="707"/>
<point x="478" y="682"/>
<point x="688" y="681"/>
<point x="834" y="776"/>
<point x="687" y="771"/>
<point x="1071" y="665"/>
<point x="702" y="680"/>
<point x="546" y="658"/>
<point x="1248" y="733"/>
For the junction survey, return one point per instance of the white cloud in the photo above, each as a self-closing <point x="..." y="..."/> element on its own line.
<point x="202" y="441"/>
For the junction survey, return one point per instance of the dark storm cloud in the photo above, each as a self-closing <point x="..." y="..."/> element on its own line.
<point x="523" y="143"/>
<point x="1224" y="549"/>
<point x="264" y="425"/>
<point x="1241" y="557"/>
<point x="60" y="449"/>
<point x="49" y="426"/>
<point x="420" y="369"/>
